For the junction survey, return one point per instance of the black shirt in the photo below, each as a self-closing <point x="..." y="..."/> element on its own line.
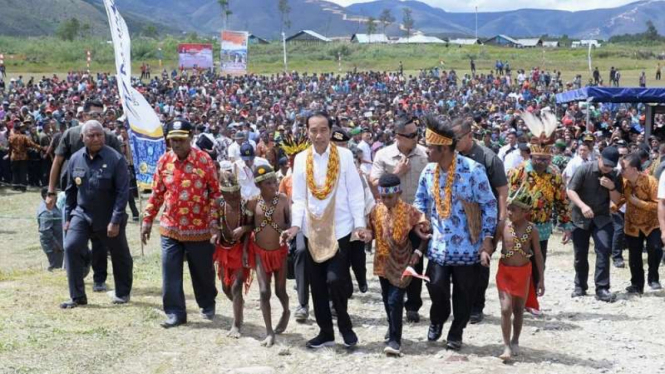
<point x="71" y="142"/>
<point x="496" y="174"/>
<point x="97" y="188"/>
<point x="586" y="182"/>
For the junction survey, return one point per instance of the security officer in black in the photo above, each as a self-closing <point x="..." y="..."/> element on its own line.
<point x="97" y="191"/>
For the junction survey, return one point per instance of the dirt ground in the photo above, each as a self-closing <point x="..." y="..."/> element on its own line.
<point x="573" y="336"/>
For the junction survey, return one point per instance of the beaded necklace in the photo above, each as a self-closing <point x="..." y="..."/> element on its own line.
<point x="225" y="222"/>
<point x="267" y="215"/>
<point x="517" y="244"/>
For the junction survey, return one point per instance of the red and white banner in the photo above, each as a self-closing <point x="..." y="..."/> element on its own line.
<point x="192" y="55"/>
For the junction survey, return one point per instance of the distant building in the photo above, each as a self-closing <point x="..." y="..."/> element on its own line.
<point x="472" y="41"/>
<point x="585" y="43"/>
<point x="554" y="44"/>
<point x="529" y="43"/>
<point x="502" y="40"/>
<point x="253" y="39"/>
<point x="369" y="38"/>
<point x="420" y="39"/>
<point x="307" y="37"/>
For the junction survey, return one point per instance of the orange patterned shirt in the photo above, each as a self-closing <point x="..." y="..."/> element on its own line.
<point x="383" y="252"/>
<point x="188" y="189"/>
<point x="643" y="216"/>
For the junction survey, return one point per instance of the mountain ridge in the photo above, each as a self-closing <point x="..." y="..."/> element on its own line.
<point x="261" y="17"/>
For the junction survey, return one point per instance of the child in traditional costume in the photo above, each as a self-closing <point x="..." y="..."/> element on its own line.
<point x="272" y="215"/>
<point x="292" y="145"/>
<point x="514" y="280"/>
<point x="391" y="221"/>
<point x="232" y="256"/>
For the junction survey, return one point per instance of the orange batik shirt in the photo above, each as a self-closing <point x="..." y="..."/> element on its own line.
<point x="644" y="216"/>
<point x="188" y="189"/>
<point x="393" y="247"/>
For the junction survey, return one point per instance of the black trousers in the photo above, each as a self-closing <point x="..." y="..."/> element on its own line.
<point x="654" y="248"/>
<point x="35" y="172"/>
<point x="201" y="269"/>
<point x="357" y="261"/>
<point x="5" y="169"/>
<point x="77" y="257"/>
<point x="393" y="301"/>
<point x="300" y="268"/>
<point x="20" y="174"/>
<point x="618" y="239"/>
<point x="464" y="281"/>
<point x="100" y="263"/>
<point x="46" y="169"/>
<point x="414" y="300"/>
<point x="534" y="267"/>
<point x="602" y="240"/>
<point x="329" y="282"/>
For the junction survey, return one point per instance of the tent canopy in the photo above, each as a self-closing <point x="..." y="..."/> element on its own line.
<point x="613" y="95"/>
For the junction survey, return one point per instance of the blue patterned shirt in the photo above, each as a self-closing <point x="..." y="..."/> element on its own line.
<point x="451" y="241"/>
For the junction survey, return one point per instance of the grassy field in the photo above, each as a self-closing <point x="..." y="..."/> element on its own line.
<point x="574" y="336"/>
<point x="48" y="55"/>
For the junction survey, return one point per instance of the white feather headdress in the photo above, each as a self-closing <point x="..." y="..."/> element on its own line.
<point x="541" y="130"/>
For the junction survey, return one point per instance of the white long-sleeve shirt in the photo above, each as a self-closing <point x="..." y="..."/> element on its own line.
<point x="350" y="198"/>
<point x="366" y="166"/>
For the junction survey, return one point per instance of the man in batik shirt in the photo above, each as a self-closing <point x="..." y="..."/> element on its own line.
<point x="186" y="183"/>
<point x="455" y="194"/>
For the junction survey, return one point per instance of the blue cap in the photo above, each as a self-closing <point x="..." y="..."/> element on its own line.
<point x="247" y="152"/>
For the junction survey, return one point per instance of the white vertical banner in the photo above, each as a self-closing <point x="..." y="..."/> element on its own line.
<point x="146" y="134"/>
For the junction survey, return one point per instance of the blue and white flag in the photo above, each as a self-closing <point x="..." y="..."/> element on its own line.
<point x="146" y="137"/>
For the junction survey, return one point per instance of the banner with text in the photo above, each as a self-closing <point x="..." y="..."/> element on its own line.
<point x="234" y="52"/>
<point x="146" y="137"/>
<point x="192" y="55"/>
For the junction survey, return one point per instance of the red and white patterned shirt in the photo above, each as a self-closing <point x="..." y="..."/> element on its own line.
<point x="188" y="189"/>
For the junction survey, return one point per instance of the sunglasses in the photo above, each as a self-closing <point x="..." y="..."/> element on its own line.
<point x="413" y="135"/>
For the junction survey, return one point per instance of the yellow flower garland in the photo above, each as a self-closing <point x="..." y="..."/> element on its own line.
<point x="331" y="174"/>
<point x="399" y="223"/>
<point x="444" y="210"/>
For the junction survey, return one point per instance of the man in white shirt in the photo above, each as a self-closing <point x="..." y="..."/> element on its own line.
<point x="366" y="166"/>
<point x="328" y="205"/>
<point x="244" y="171"/>
<point x="234" y="149"/>
<point x="509" y="148"/>
<point x="581" y="157"/>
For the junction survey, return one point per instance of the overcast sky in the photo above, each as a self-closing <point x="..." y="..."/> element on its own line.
<point x="498" y="5"/>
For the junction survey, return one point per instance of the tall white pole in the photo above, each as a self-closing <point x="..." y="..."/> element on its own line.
<point x="476" y="22"/>
<point x="286" y="66"/>
<point x="590" y="71"/>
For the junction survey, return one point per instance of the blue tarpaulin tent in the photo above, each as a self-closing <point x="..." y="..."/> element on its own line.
<point x="617" y="95"/>
<point x="613" y="95"/>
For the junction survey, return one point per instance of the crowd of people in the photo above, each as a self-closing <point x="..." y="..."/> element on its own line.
<point x="301" y="175"/>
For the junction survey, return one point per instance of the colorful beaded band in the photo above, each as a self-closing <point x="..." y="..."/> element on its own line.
<point x="390" y="190"/>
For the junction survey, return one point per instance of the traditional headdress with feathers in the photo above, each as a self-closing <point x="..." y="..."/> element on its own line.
<point x="522" y="198"/>
<point x="292" y="145"/>
<point x="542" y="131"/>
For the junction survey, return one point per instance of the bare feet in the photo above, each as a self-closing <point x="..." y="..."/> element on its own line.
<point x="515" y="347"/>
<point x="234" y="332"/>
<point x="283" y="322"/>
<point x="507" y="353"/>
<point x="268" y="341"/>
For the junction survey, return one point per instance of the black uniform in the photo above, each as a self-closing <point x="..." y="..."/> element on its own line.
<point x="97" y="191"/>
<point x="71" y="142"/>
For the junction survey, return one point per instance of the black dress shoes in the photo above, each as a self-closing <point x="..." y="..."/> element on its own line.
<point x="434" y="332"/>
<point x="71" y="304"/>
<point x="173" y="321"/>
<point x="605" y="295"/>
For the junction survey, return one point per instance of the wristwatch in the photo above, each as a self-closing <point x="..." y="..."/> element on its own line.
<point x="51" y="193"/>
